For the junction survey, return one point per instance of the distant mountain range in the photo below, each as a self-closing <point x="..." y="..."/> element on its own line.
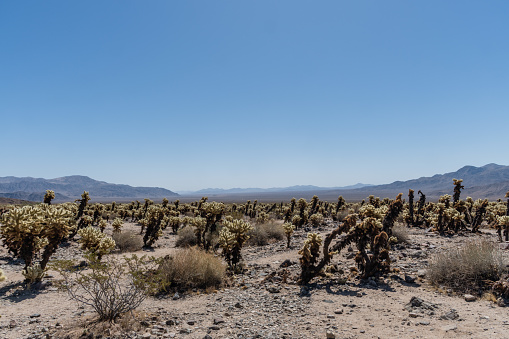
<point x="71" y="187"/>
<point x="297" y="188"/>
<point x="490" y="181"/>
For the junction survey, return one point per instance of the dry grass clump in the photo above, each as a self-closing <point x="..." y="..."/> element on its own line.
<point x="192" y="267"/>
<point x="401" y="233"/>
<point x="186" y="237"/>
<point x="262" y="234"/>
<point x="465" y="269"/>
<point x="128" y="241"/>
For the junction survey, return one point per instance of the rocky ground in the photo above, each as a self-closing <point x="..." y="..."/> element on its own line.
<point x="265" y="302"/>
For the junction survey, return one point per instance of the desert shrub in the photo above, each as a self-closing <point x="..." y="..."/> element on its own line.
<point x="192" y="267"/>
<point x="186" y="237"/>
<point x="128" y="241"/>
<point x="465" y="269"/>
<point x="400" y="232"/>
<point x="112" y="287"/>
<point x="262" y="234"/>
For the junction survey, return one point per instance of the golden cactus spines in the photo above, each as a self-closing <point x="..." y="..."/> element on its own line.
<point x="288" y="228"/>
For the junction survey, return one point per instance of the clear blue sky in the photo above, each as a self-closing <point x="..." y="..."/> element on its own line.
<point x="195" y="94"/>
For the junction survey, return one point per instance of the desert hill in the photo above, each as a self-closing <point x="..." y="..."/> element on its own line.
<point x="71" y="187"/>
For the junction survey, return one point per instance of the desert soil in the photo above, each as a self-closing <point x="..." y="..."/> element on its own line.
<point x="260" y="304"/>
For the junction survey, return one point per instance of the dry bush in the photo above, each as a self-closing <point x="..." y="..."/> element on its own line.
<point x="186" y="237"/>
<point x="465" y="269"/>
<point x="192" y="267"/>
<point x="400" y="232"/>
<point x="128" y="241"/>
<point x="262" y="234"/>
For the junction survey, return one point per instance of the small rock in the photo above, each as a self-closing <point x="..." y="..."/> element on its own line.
<point x="176" y="296"/>
<point x="273" y="289"/>
<point x="12" y="324"/>
<point x="421" y="273"/>
<point x="35" y="315"/>
<point x="451" y="315"/>
<point x="338" y="311"/>
<point x="330" y="335"/>
<point x="424" y="322"/>
<point x="469" y="297"/>
<point x="449" y="328"/>
<point x="413" y="315"/>
<point x="409" y="279"/>
<point x="191" y="322"/>
<point x="501" y="302"/>
<point x="170" y="322"/>
<point x="359" y="295"/>
<point x="238" y="305"/>
<point x="330" y="316"/>
<point x="218" y="321"/>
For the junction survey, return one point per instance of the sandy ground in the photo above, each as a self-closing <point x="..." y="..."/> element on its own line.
<point x="259" y="304"/>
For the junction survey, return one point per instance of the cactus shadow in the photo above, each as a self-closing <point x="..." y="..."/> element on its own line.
<point x="350" y="290"/>
<point x="16" y="292"/>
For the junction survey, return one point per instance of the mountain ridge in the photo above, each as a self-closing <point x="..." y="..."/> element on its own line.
<point x="71" y="187"/>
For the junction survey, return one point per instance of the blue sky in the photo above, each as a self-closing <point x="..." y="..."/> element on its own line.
<point x="194" y="94"/>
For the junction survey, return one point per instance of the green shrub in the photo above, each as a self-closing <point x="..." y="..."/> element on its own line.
<point x="113" y="287"/>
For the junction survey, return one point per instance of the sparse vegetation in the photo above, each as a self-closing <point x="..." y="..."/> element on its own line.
<point x="467" y="268"/>
<point x="193" y="267"/>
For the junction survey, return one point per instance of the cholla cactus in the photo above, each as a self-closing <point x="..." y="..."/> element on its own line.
<point x="93" y="241"/>
<point x="503" y="224"/>
<point x="28" y="230"/>
<point x="2" y="275"/>
<point x="102" y="225"/>
<point x="392" y="213"/>
<point x="288" y="229"/>
<point x="457" y="189"/>
<point x="50" y="195"/>
<point x="231" y="238"/>
<point x="316" y="219"/>
<point x="34" y="273"/>
<point x="262" y="218"/>
<point x="409" y="219"/>
<point x="154" y="216"/>
<point x="310" y="252"/>
<point x="117" y="225"/>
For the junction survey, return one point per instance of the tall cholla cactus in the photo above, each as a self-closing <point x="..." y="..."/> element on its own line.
<point x="310" y="253"/>
<point x="503" y="224"/>
<point x="95" y="242"/>
<point x="410" y="219"/>
<point x="457" y="190"/>
<point x="28" y="230"/>
<point x="231" y="238"/>
<point x="288" y="228"/>
<point x="50" y="195"/>
<point x="395" y="209"/>
<point x="507" y="210"/>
